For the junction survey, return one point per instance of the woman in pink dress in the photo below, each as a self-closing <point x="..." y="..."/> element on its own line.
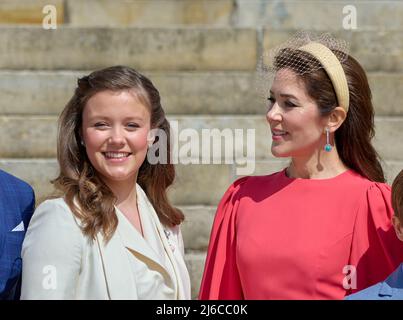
<point x="320" y="228"/>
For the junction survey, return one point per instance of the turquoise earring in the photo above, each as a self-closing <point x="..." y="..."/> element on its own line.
<point x="328" y="146"/>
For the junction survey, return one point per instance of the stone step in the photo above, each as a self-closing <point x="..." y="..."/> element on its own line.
<point x="323" y="15"/>
<point x="35" y="137"/>
<point x="29" y="11"/>
<point x="210" y="181"/>
<point x="286" y="14"/>
<point x="121" y="13"/>
<point x="153" y="13"/>
<point x="375" y="50"/>
<point x="47" y="92"/>
<point x="320" y="15"/>
<point x="195" y="263"/>
<point x="143" y="48"/>
<point x="197" y="226"/>
<point x="161" y="49"/>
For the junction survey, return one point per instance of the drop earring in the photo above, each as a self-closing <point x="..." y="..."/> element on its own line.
<point x="328" y="146"/>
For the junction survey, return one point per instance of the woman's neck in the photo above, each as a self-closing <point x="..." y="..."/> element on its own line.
<point x="320" y="165"/>
<point x="124" y="191"/>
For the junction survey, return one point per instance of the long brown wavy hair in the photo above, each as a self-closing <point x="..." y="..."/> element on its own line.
<point x="89" y="198"/>
<point x="353" y="137"/>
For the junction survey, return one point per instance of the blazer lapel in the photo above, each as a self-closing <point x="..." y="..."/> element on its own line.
<point x="147" y="206"/>
<point x="119" y="278"/>
<point x="138" y="246"/>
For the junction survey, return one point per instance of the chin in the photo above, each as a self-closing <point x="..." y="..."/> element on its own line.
<point x="278" y="153"/>
<point x="120" y="176"/>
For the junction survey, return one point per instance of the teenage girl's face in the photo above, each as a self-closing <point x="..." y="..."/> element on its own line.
<point x="296" y="125"/>
<point x="115" y="129"/>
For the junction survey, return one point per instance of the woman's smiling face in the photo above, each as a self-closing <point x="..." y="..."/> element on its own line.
<point x="115" y="128"/>
<point x="296" y="125"/>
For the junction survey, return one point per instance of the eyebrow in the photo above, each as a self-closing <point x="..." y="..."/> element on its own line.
<point x="285" y="95"/>
<point x="101" y="117"/>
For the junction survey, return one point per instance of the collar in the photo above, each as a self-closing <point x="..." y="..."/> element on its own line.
<point x="114" y="254"/>
<point x="393" y="285"/>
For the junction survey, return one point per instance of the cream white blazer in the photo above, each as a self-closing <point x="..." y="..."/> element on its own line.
<point x="59" y="262"/>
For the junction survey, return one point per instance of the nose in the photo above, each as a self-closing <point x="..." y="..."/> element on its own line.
<point x="117" y="136"/>
<point x="274" y="113"/>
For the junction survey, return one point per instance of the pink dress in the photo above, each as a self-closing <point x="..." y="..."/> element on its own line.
<point x="276" y="237"/>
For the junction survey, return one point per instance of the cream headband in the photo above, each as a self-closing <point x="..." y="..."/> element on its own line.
<point x="333" y="69"/>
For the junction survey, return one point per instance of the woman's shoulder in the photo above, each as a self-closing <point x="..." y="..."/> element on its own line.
<point x="372" y="198"/>
<point x="254" y="182"/>
<point x="378" y="194"/>
<point x="57" y="205"/>
<point x="54" y="212"/>
<point x="245" y="186"/>
<point x="366" y="187"/>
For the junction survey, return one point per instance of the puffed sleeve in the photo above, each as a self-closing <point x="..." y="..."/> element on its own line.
<point x="221" y="279"/>
<point x="376" y="251"/>
<point x="51" y="253"/>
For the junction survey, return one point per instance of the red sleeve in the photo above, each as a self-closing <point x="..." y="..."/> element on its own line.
<point x="376" y="251"/>
<point x="221" y="279"/>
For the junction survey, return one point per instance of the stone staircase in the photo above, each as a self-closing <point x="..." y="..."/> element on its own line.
<point x="202" y="56"/>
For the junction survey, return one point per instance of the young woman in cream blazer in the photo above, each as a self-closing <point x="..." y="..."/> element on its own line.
<point x="113" y="234"/>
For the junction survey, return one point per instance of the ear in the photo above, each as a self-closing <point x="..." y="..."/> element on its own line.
<point x="150" y="137"/>
<point x="336" y="118"/>
<point x="398" y="227"/>
<point x="81" y="137"/>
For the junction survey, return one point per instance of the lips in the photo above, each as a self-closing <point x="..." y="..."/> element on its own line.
<point x="116" y="155"/>
<point x="278" y="133"/>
